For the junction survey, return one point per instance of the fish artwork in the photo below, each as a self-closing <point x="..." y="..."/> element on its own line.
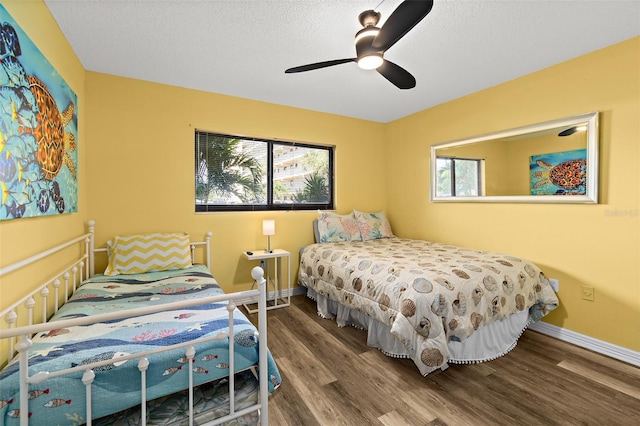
<point x="200" y="370"/>
<point x="247" y="338"/>
<point x="184" y="360"/>
<point x="172" y="370"/>
<point x="103" y="357"/>
<point x="16" y="414"/>
<point x="38" y="392"/>
<point x="209" y="357"/>
<point x="222" y="365"/>
<point x="55" y="332"/>
<point x="5" y="402"/>
<point x="183" y="316"/>
<point x="56" y="403"/>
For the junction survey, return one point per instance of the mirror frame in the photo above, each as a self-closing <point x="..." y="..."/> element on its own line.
<point x="591" y="196"/>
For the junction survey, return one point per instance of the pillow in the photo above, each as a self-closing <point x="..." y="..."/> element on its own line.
<point x="136" y="254"/>
<point x="316" y="233"/>
<point x="373" y="225"/>
<point x="333" y="227"/>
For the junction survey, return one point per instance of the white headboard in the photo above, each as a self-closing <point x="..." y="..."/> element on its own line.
<point x="206" y="244"/>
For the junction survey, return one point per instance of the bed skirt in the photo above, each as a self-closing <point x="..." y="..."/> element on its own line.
<point x="485" y="344"/>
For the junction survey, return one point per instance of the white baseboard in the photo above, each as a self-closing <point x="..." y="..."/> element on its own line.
<point x="584" y="341"/>
<point x="599" y="346"/>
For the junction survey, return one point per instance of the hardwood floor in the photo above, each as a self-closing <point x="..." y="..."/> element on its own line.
<point x="331" y="377"/>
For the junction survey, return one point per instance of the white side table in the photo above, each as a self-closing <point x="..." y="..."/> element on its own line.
<point x="276" y="299"/>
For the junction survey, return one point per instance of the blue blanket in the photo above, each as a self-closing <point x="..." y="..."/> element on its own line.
<point x="61" y="400"/>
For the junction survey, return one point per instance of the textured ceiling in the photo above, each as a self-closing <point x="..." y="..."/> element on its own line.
<point x="242" y="47"/>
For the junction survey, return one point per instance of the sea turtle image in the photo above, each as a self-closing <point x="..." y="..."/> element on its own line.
<point x="568" y="175"/>
<point x="54" y="143"/>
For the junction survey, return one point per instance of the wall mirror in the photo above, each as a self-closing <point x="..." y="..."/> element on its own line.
<point x="551" y="162"/>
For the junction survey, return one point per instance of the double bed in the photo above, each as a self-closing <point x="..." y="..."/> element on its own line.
<point x="433" y="303"/>
<point x="153" y="339"/>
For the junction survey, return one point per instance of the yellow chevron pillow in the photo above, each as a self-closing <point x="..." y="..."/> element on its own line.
<point x="136" y="254"/>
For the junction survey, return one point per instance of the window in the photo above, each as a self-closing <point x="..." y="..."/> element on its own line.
<point x="235" y="173"/>
<point x="458" y="177"/>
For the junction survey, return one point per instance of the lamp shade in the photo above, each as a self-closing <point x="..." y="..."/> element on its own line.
<point x="268" y="227"/>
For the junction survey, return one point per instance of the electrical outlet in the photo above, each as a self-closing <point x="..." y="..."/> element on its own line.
<point x="587" y="293"/>
<point x="555" y="284"/>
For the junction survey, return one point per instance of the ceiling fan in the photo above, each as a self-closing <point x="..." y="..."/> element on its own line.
<point x="372" y="42"/>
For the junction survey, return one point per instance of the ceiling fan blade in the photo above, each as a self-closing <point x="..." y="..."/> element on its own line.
<point x="318" y="65"/>
<point x="406" y="16"/>
<point x="397" y="75"/>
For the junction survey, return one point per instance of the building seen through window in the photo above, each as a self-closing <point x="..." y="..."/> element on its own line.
<point x="234" y="173"/>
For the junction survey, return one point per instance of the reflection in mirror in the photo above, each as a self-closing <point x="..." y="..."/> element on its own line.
<point x="553" y="162"/>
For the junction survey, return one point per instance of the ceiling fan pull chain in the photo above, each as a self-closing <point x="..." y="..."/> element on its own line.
<point x="379" y="4"/>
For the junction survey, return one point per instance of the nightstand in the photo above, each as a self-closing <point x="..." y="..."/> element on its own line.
<point x="268" y="260"/>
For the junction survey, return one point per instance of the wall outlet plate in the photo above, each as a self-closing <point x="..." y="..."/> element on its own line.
<point x="555" y="284"/>
<point x="587" y="293"/>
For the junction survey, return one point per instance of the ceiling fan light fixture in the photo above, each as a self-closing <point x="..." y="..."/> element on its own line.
<point x="372" y="42"/>
<point x="368" y="58"/>
<point x="371" y="61"/>
<point x="367" y="32"/>
<point x="572" y="130"/>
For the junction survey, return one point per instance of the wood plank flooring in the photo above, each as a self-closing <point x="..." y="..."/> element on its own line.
<point x="331" y="377"/>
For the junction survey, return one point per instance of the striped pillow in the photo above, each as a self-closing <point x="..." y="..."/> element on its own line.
<point x="136" y="254"/>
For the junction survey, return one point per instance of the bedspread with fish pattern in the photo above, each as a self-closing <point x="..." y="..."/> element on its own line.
<point x="427" y="293"/>
<point x="61" y="400"/>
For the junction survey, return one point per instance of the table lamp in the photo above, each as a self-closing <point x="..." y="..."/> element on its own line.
<point x="268" y="229"/>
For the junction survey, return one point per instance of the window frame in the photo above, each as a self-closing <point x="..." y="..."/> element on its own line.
<point x="269" y="176"/>
<point x="479" y="165"/>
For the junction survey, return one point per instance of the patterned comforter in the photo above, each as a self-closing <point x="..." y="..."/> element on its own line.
<point x="61" y="400"/>
<point x="427" y="293"/>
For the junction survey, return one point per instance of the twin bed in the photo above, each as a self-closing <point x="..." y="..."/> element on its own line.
<point x="153" y="340"/>
<point x="433" y="303"/>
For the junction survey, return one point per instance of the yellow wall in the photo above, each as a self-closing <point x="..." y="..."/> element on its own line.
<point x="136" y="175"/>
<point x="21" y="238"/>
<point x="593" y="245"/>
<point x="141" y="166"/>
